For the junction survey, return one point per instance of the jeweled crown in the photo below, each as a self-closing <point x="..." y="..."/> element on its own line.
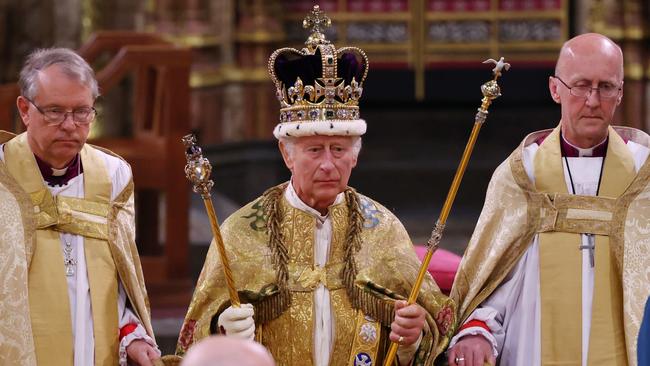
<point x="319" y="87"/>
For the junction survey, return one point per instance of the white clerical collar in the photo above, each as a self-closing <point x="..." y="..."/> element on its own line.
<point x="295" y="201"/>
<point x="584" y="152"/>
<point x="59" y="172"/>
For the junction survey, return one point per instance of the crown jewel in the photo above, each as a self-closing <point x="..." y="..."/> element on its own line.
<point x="319" y="87"/>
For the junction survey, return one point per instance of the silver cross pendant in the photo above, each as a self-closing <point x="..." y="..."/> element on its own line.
<point x="68" y="261"/>
<point x="591" y="247"/>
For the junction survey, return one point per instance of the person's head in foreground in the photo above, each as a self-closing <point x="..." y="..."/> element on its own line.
<point x="227" y="351"/>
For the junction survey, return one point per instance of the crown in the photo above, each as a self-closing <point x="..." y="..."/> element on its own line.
<point x="319" y="87"/>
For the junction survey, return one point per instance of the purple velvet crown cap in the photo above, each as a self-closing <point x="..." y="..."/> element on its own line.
<point x="291" y="64"/>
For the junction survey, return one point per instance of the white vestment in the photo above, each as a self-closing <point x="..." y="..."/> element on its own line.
<point x="512" y="311"/>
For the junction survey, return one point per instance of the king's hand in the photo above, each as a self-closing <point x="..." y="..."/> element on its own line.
<point x="238" y="321"/>
<point x="408" y="323"/>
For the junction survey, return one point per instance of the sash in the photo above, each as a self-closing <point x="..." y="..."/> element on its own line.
<point x="561" y="260"/>
<point x="48" y="300"/>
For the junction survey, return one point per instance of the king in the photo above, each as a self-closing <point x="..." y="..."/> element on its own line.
<point x="321" y="270"/>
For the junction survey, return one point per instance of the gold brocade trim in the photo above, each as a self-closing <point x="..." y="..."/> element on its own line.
<point x="82" y="205"/>
<point x="70" y="215"/>
<point x="26" y="209"/>
<point x="125" y="254"/>
<point x="373" y="301"/>
<point x="17" y="346"/>
<point x="576" y="214"/>
<point x="288" y="337"/>
<point x="344" y="317"/>
<point x="44" y="208"/>
<point x="635" y="288"/>
<point x="366" y="341"/>
<point x="307" y="278"/>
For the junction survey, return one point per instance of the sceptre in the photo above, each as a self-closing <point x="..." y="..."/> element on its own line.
<point x="490" y="92"/>
<point x="198" y="170"/>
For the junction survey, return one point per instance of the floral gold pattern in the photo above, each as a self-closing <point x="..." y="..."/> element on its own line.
<point x="385" y="265"/>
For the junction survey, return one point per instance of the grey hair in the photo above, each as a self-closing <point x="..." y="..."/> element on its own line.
<point x="289" y="143"/>
<point x="73" y="65"/>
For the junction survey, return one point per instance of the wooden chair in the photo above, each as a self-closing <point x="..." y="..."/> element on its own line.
<point x="160" y="118"/>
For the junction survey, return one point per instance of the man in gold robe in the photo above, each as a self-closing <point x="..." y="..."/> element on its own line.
<point x="556" y="272"/>
<point x="322" y="270"/>
<point x="71" y="283"/>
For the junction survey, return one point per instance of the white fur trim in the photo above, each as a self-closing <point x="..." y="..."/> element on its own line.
<point x="334" y="127"/>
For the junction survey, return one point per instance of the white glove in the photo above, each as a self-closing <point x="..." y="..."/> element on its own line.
<point x="238" y="322"/>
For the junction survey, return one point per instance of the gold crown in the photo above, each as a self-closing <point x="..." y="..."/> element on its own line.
<point x="319" y="84"/>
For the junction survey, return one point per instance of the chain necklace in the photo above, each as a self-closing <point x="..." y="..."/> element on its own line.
<point x="568" y="168"/>
<point x="69" y="261"/>
<point x="590" y="237"/>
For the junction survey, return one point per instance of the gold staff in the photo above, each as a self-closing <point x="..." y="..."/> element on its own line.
<point x="490" y="92"/>
<point x="198" y="170"/>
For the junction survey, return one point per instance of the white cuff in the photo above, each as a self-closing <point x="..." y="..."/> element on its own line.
<point x="138" y="333"/>
<point x="407" y="352"/>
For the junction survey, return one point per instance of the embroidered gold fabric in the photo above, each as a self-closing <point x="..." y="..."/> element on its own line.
<point x="514" y="211"/>
<point x="387" y="267"/>
<point x="366" y="341"/>
<point x="120" y="251"/>
<point x="17" y="345"/>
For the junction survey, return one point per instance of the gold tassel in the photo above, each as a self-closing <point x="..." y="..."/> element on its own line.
<point x="273" y="306"/>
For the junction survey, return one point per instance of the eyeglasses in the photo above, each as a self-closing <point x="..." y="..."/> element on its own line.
<point x="605" y="90"/>
<point x="56" y="115"/>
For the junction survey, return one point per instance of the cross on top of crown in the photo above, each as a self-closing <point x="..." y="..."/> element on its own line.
<point x="317" y="21"/>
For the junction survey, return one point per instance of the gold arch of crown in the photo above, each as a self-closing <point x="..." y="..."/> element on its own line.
<point x="300" y="102"/>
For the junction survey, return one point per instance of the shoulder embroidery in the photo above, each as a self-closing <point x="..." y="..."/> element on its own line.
<point x="370" y="213"/>
<point x="258" y="216"/>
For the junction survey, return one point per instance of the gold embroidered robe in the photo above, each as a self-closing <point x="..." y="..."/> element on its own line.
<point x="387" y="267"/>
<point x="515" y="211"/>
<point x="20" y="222"/>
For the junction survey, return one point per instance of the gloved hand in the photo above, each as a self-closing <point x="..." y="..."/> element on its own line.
<point x="238" y="322"/>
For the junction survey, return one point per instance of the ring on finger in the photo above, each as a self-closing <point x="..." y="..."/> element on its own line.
<point x="400" y="340"/>
<point x="459" y="359"/>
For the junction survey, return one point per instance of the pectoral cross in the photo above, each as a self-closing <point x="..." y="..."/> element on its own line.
<point x="591" y="247"/>
<point x="68" y="261"/>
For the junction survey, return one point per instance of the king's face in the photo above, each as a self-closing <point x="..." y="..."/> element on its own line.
<point x="321" y="168"/>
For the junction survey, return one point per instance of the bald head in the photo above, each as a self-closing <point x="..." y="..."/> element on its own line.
<point x="227" y="351"/>
<point x="592" y="45"/>
<point x="588" y="84"/>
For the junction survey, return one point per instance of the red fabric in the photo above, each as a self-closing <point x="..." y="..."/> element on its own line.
<point x="475" y="323"/>
<point x="443" y="266"/>
<point x="127" y="329"/>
